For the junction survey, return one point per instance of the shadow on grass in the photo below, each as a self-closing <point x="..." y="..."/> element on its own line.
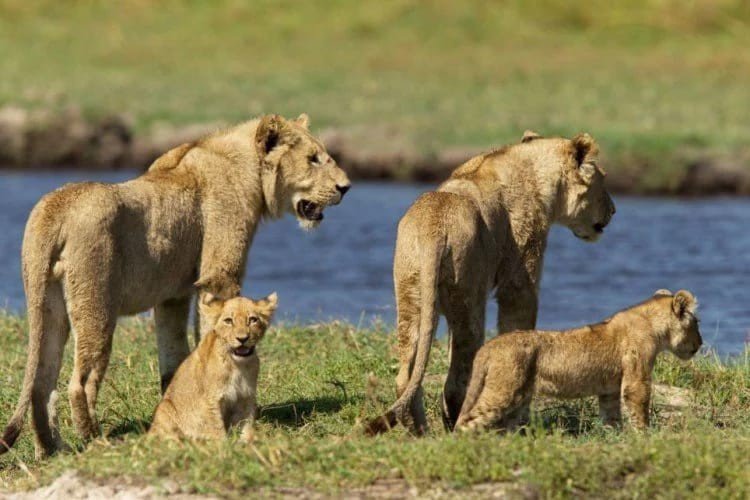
<point x="572" y="419"/>
<point x="128" y="426"/>
<point x="294" y="413"/>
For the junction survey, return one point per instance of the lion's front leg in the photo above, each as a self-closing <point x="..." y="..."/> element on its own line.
<point x="223" y="258"/>
<point x="517" y="309"/>
<point x="636" y="392"/>
<point x="609" y="409"/>
<point x="243" y="416"/>
<point x="466" y="326"/>
<point x="518" y="299"/>
<point x="247" y="432"/>
<point x="171" y="319"/>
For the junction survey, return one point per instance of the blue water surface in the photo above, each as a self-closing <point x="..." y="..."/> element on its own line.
<point x="343" y="270"/>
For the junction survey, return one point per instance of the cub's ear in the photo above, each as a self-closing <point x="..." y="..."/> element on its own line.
<point x="585" y="148"/>
<point x="268" y="133"/>
<point x="684" y="302"/>
<point x="662" y="292"/>
<point x="529" y="136"/>
<point x="268" y="305"/>
<point x="303" y="121"/>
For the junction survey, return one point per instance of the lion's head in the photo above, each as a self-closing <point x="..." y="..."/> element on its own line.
<point x="586" y="206"/>
<point x="681" y="323"/>
<point x="298" y="174"/>
<point x="241" y="322"/>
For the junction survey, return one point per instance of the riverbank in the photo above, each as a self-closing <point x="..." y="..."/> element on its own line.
<point x="43" y="139"/>
<point x="319" y="383"/>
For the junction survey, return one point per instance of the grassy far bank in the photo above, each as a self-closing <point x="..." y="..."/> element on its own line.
<point x="660" y="83"/>
<point x="318" y="383"/>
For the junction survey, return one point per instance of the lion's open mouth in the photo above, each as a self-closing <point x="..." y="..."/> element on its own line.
<point x="599" y="227"/>
<point x="585" y="236"/>
<point x="243" y="351"/>
<point x="309" y="210"/>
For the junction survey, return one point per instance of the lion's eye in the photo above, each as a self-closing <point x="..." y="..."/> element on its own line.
<point x="314" y="159"/>
<point x="252" y="320"/>
<point x="228" y="321"/>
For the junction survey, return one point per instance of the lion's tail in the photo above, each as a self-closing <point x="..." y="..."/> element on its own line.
<point x="428" y="318"/>
<point x="39" y="247"/>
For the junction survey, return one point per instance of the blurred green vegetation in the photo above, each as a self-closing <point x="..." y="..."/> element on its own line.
<point x="653" y="80"/>
<point x="319" y="383"/>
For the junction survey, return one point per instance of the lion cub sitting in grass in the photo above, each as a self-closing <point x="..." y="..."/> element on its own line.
<point x="214" y="389"/>
<point x="612" y="360"/>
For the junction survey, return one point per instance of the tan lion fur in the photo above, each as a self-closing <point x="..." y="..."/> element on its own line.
<point x="214" y="390"/>
<point x="485" y="228"/>
<point x="612" y="360"/>
<point x="92" y="252"/>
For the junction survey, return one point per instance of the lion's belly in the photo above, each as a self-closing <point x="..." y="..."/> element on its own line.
<point x="575" y="380"/>
<point x="155" y="277"/>
<point x="160" y="251"/>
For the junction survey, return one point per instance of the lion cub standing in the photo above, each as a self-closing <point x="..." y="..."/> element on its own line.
<point x="612" y="360"/>
<point x="215" y="387"/>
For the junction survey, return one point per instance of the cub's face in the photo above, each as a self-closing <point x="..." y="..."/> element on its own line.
<point x="587" y="206"/>
<point x="307" y="179"/>
<point x="242" y="323"/>
<point x="684" y="335"/>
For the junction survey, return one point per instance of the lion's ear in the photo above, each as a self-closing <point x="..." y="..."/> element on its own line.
<point x="268" y="133"/>
<point x="529" y="136"/>
<point x="268" y="305"/>
<point x="303" y="121"/>
<point x="684" y="302"/>
<point x="585" y="148"/>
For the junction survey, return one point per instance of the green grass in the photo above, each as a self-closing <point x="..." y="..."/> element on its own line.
<point x="319" y="384"/>
<point x="657" y="81"/>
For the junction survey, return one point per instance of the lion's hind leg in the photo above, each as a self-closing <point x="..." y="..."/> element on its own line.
<point x="91" y="360"/>
<point x="56" y="329"/>
<point x="165" y="423"/>
<point x="93" y="322"/>
<point x="408" y="331"/>
<point x="494" y="411"/>
<point x="506" y="392"/>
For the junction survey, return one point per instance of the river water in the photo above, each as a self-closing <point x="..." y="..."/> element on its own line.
<point x="343" y="270"/>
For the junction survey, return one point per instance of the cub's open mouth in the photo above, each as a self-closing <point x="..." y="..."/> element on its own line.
<point x="243" y="351"/>
<point x="309" y="210"/>
<point x="599" y="227"/>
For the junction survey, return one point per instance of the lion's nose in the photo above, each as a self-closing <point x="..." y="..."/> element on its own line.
<point x="343" y="189"/>
<point x="244" y="339"/>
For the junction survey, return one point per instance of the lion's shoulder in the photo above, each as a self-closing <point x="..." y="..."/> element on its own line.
<point x="171" y="158"/>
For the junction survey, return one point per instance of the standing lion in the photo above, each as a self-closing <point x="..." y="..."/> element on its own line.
<point x="485" y="229"/>
<point x="93" y="252"/>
